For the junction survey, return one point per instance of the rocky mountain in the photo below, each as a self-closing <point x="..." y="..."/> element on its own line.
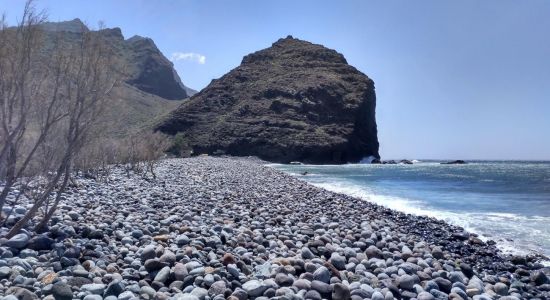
<point x="294" y="101"/>
<point x="151" y="86"/>
<point x="147" y="69"/>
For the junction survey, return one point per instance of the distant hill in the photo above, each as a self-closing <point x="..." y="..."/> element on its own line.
<point x="147" y="68"/>
<point x="292" y="101"/>
<point x="151" y="85"/>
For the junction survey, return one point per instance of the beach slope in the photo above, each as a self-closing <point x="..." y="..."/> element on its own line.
<point x="233" y="228"/>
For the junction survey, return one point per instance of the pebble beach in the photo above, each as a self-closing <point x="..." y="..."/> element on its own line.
<point x="233" y="228"/>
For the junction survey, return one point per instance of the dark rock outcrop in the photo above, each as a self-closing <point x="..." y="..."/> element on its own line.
<point x="146" y="67"/>
<point x="153" y="73"/>
<point x="454" y="162"/>
<point x="294" y="101"/>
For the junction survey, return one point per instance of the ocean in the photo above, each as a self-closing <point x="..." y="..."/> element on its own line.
<point x="505" y="201"/>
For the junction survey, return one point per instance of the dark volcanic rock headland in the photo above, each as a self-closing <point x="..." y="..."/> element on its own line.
<point x="294" y="101"/>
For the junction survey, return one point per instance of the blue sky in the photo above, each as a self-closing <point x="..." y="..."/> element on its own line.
<point x="454" y="79"/>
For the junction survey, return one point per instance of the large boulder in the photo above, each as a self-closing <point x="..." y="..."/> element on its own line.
<point x="294" y="101"/>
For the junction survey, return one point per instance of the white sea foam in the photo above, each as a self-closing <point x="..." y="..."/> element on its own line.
<point x="501" y="227"/>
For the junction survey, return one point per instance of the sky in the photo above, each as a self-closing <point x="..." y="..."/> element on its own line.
<point x="462" y="79"/>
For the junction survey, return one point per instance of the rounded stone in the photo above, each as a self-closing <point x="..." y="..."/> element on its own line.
<point x="254" y="288"/>
<point x="148" y="253"/>
<point x="313" y="295"/>
<point x="127" y="295"/>
<point x="338" y="261"/>
<point x="302" y="284"/>
<point x="283" y="280"/>
<point x="321" y="287"/>
<point x="162" y="275"/>
<point x="18" y="241"/>
<point x="406" y="282"/>
<point x="93" y="288"/>
<point x="306" y="253"/>
<point x="199" y="293"/>
<point x="425" y="296"/>
<point x="377" y="296"/>
<point x="217" y="288"/>
<point x="340" y="292"/>
<point x="62" y="291"/>
<point x="322" y="274"/>
<point x="501" y="289"/>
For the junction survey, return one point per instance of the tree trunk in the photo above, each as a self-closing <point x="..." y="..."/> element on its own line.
<point x="39" y="202"/>
<point x="10" y="177"/>
<point x="49" y="213"/>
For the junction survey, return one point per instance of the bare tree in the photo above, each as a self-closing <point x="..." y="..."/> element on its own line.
<point x="154" y="146"/>
<point x="20" y="86"/>
<point x="50" y="104"/>
<point x="53" y="93"/>
<point x="140" y="152"/>
<point x="91" y="76"/>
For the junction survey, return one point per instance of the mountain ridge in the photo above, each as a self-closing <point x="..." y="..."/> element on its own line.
<point x="147" y="68"/>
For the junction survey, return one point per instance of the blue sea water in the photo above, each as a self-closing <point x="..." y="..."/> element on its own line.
<point x="506" y="201"/>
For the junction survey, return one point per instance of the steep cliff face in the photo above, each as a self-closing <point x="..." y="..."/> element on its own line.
<point x="147" y="68"/>
<point x="292" y="101"/>
<point x="151" y="86"/>
<point x="154" y="73"/>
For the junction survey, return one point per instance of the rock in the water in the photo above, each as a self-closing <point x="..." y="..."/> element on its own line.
<point x="454" y="162"/>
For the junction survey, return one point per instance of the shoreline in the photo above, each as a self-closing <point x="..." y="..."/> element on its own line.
<point x="468" y="220"/>
<point x="213" y="228"/>
<point x="505" y="247"/>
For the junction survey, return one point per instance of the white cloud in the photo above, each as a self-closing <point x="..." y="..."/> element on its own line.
<point x="190" y="56"/>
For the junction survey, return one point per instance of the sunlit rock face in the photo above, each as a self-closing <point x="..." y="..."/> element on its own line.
<point x="294" y="101"/>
